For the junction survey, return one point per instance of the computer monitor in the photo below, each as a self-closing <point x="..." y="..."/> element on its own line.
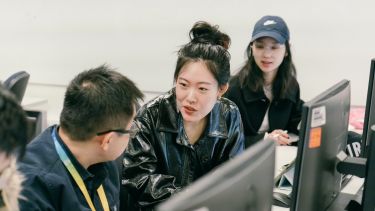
<point x="370" y="110"/>
<point x="363" y="200"/>
<point x="35" y="123"/>
<point x="243" y="183"/>
<point x="323" y="134"/>
<point x="368" y="195"/>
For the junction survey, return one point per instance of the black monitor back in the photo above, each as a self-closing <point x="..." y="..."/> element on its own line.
<point x="369" y="119"/>
<point x="243" y="183"/>
<point x="323" y="134"/>
<point x="35" y="123"/>
<point x="368" y="196"/>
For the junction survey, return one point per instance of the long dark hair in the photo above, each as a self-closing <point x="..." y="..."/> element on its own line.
<point x="210" y="45"/>
<point x="251" y="76"/>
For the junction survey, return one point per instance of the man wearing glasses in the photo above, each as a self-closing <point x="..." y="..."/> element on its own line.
<point x="71" y="166"/>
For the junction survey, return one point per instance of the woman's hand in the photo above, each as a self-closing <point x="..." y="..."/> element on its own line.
<point x="281" y="137"/>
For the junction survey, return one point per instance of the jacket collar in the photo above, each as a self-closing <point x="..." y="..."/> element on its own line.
<point x="98" y="172"/>
<point x="168" y="117"/>
<point x="250" y="96"/>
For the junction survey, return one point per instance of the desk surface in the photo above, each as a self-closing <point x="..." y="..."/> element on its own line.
<point x="286" y="154"/>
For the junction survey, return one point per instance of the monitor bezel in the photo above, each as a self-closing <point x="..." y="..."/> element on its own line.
<point x="369" y="118"/>
<point x="368" y="202"/>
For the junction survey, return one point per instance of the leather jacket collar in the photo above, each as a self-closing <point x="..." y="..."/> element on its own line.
<point x="169" y="117"/>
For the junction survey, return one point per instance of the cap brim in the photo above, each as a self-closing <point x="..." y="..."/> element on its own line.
<point x="280" y="39"/>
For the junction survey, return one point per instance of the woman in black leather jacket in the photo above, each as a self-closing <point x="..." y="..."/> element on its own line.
<point x="265" y="89"/>
<point x="188" y="131"/>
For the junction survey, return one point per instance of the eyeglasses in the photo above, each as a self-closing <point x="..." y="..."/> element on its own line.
<point x="132" y="132"/>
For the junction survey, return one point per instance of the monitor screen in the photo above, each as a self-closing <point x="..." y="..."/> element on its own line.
<point x="370" y="110"/>
<point x="243" y="183"/>
<point x="323" y="134"/>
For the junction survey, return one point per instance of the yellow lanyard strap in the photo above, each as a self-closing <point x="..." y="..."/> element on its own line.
<point x="78" y="179"/>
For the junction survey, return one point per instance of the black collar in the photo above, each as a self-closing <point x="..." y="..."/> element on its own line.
<point x="250" y="96"/>
<point x="95" y="174"/>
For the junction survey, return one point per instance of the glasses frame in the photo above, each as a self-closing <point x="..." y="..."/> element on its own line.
<point x="132" y="133"/>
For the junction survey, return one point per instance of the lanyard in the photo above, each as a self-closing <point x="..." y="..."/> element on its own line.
<point x="77" y="178"/>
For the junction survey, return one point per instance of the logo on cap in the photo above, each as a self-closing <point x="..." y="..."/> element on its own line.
<point x="269" y="22"/>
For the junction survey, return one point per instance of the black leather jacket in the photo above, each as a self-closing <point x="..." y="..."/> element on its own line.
<point x="160" y="160"/>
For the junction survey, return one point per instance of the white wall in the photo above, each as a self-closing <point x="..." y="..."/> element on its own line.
<point x="55" y="96"/>
<point x="54" y="40"/>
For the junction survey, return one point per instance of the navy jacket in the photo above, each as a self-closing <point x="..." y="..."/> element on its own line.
<point x="49" y="186"/>
<point x="160" y="159"/>
<point x="283" y="113"/>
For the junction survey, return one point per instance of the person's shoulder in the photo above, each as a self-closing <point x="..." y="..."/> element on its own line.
<point x="161" y="105"/>
<point x="228" y="111"/>
<point x="112" y="167"/>
<point x="40" y="175"/>
<point x="41" y="161"/>
<point x="157" y="101"/>
<point x="113" y="172"/>
<point x="228" y="106"/>
<point x="50" y="173"/>
<point x="234" y="89"/>
<point x="41" y="186"/>
<point x="294" y="83"/>
<point x="234" y="82"/>
<point x="228" y="103"/>
<point x="40" y="153"/>
<point x="293" y="91"/>
<point x="40" y="189"/>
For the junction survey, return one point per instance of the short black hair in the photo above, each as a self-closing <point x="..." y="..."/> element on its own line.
<point x="97" y="100"/>
<point x="13" y="124"/>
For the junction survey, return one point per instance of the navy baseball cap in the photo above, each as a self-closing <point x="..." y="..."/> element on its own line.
<point x="271" y="26"/>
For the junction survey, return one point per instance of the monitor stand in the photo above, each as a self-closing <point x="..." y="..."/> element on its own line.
<point x="347" y="201"/>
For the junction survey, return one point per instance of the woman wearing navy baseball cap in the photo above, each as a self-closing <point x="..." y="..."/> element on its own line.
<point x="265" y="88"/>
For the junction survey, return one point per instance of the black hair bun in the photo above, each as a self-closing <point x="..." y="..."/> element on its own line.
<point x="203" y="32"/>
